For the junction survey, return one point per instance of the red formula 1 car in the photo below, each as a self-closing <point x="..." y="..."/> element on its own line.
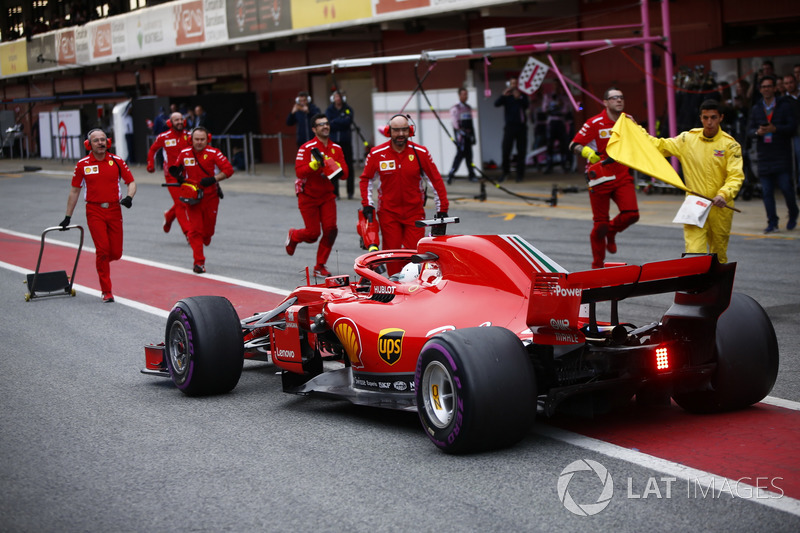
<point x="479" y="333"/>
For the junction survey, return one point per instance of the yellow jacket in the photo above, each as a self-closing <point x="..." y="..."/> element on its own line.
<point x="710" y="166"/>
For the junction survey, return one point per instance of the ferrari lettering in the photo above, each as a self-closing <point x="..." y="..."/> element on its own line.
<point x="390" y="345"/>
<point x="561" y="291"/>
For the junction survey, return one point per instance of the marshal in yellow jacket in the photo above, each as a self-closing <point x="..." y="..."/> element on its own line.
<point x="711" y="167"/>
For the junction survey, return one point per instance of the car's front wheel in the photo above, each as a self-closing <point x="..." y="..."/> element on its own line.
<point x="475" y="389"/>
<point x="203" y="348"/>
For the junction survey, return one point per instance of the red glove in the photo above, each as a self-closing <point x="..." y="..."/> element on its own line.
<point x="151" y="167"/>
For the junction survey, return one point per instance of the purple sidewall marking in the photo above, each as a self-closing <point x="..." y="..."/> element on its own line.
<point x="188" y="380"/>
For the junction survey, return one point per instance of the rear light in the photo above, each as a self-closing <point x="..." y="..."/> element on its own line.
<point x="662" y="358"/>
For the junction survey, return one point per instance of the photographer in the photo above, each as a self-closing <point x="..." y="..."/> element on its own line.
<point x="515" y="131"/>
<point x="301" y="112"/>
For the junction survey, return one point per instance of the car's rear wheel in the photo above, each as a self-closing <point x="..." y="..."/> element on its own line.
<point x="747" y="360"/>
<point x="475" y="389"/>
<point x="204" y="349"/>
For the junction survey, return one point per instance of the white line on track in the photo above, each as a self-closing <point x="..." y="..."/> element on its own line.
<point x="154" y="264"/>
<point x="712" y="484"/>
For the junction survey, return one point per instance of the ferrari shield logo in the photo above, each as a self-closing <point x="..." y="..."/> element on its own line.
<point x="390" y="345"/>
<point x="411" y="157"/>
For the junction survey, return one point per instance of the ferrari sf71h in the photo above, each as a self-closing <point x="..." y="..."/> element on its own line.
<point x="478" y="334"/>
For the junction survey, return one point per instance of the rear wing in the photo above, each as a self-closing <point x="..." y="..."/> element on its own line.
<point x="702" y="287"/>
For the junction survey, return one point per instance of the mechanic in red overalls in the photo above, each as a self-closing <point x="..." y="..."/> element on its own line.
<point x="316" y="192"/>
<point x="616" y="183"/>
<point x="172" y="142"/>
<point x="100" y="173"/>
<point x="199" y="170"/>
<point x="402" y="168"/>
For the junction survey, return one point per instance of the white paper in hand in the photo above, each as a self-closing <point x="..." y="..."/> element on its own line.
<point x="694" y="211"/>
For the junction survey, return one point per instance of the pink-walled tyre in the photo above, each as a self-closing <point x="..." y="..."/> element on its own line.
<point x="203" y="348"/>
<point x="475" y="389"/>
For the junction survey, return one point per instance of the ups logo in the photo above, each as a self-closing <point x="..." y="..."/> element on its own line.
<point x="390" y="345"/>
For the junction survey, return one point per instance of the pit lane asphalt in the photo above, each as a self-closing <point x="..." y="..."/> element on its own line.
<point x="90" y="444"/>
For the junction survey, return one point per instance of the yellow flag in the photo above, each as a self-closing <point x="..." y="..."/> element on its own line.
<point x="631" y="146"/>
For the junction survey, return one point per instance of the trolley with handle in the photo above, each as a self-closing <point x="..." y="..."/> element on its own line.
<point x="57" y="283"/>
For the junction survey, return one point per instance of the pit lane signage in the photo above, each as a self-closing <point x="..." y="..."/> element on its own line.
<point x="532" y="75"/>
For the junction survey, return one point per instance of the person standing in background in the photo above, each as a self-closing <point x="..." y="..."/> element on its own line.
<point x="772" y="126"/>
<point x="464" y="130"/>
<point x="340" y="115"/>
<point x="515" y="131"/>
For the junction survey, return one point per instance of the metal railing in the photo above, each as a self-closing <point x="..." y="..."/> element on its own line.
<point x="278" y="136"/>
<point x="67" y="147"/>
<point x="247" y="145"/>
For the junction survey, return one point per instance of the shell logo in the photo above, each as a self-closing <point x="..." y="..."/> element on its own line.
<point x="347" y="332"/>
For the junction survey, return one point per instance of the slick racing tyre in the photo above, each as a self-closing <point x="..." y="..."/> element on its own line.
<point x="475" y="389"/>
<point x="747" y="360"/>
<point x="203" y="348"/>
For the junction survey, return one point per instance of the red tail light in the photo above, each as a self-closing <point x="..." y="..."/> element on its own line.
<point x="662" y="358"/>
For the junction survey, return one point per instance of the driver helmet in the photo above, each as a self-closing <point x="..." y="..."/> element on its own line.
<point x="409" y="273"/>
